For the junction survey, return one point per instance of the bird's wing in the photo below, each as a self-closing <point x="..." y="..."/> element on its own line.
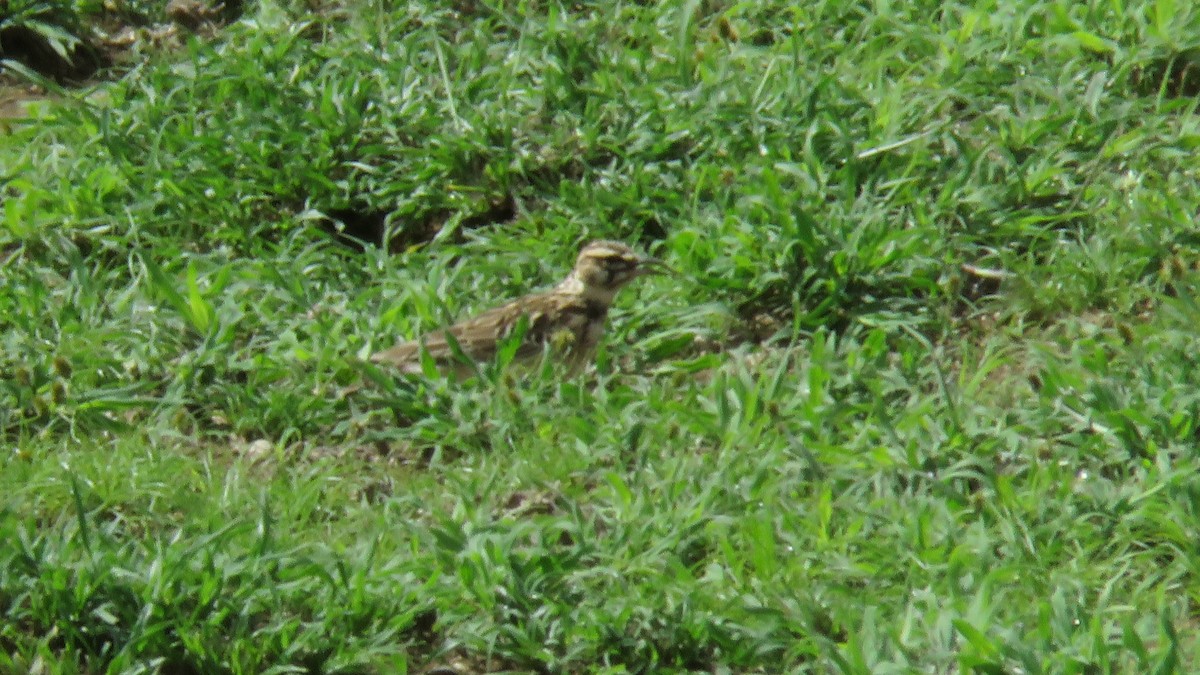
<point x="479" y="336"/>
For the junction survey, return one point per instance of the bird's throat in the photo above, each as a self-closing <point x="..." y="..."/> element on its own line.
<point x="599" y="296"/>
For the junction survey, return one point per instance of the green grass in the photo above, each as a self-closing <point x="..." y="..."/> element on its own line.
<point x="825" y="447"/>
<point x="56" y="41"/>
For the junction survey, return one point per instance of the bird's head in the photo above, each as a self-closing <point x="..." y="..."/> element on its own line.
<point x="603" y="267"/>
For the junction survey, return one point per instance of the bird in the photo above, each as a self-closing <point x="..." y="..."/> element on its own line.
<point x="567" y="320"/>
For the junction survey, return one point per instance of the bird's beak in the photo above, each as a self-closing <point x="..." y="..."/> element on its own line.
<point x="648" y="266"/>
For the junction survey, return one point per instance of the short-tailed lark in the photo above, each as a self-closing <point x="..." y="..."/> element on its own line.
<point x="568" y="319"/>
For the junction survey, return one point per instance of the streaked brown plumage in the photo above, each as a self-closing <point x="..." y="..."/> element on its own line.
<point x="568" y="318"/>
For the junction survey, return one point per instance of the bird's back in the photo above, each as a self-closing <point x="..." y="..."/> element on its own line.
<point x="565" y="322"/>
